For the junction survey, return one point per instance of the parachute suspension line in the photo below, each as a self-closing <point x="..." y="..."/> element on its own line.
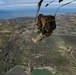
<point x="60" y="1"/>
<point x="52" y="2"/>
<point x="35" y="19"/>
<point x="63" y="5"/>
<point x="38" y="6"/>
<point x="49" y="3"/>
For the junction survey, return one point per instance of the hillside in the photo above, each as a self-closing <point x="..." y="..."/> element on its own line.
<point x="57" y="51"/>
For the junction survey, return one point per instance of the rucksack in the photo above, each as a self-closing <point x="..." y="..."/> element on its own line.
<point x="50" y="23"/>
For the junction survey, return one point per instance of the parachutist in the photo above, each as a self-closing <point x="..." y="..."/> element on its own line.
<point x="45" y="24"/>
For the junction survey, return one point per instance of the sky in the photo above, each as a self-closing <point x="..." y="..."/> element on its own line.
<point x="4" y="4"/>
<point x="19" y="7"/>
<point x="25" y="2"/>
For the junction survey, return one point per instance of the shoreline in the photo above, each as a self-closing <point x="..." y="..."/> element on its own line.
<point x="35" y="16"/>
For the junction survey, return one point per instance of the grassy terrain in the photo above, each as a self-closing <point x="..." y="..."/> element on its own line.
<point x="56" y="51"/>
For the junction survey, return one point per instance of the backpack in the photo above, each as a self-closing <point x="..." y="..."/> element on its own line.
<point x="50" y="23"/>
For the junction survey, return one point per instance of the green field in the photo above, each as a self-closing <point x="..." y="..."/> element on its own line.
<point x="41" y="72"/>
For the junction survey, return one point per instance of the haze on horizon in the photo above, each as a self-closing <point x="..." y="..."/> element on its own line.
<point x="30" y="2"/>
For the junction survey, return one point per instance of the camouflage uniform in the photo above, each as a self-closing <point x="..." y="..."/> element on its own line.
<point x="44" y="28"/>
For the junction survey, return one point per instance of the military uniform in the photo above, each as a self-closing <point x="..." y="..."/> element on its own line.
<point x="45" y="25"/>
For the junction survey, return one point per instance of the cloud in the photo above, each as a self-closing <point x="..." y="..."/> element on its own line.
<point x="34" y="4"/>
<point x="29" y="2"/>
<point x="1" y="2"/>
<point x="20" y="1"/>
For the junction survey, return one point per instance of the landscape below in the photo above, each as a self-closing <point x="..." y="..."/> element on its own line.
<point x="56" y="53"/>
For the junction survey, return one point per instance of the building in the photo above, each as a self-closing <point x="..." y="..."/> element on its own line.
<point x="17" y="70"/>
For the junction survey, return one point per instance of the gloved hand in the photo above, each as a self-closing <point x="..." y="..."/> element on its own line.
<point x="38" y="31"/>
